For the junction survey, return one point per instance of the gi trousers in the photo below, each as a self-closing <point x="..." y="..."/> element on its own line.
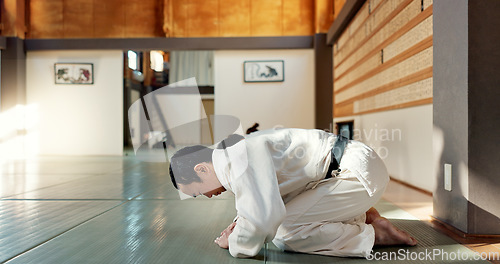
<point x="329" y="219"/>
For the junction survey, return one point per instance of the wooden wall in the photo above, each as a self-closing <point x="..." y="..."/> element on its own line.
<point x="234" y="18"/>
<point x="160" y="18"/>
<point x="13" y="18"/>
<point x="95" y="18"/>
<point x="383" y="59"/>
<point x="337" y="6"/>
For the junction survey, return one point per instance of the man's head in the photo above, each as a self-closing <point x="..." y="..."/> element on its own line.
<point x="192" y="172"/>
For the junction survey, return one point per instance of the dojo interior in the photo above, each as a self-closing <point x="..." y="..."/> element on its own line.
<point x="416" y="80"/>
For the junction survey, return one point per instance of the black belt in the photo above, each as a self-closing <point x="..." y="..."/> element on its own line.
<point x="337" y="152"/>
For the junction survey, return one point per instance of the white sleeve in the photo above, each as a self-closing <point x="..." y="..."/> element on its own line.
<point x="259" y="205"/>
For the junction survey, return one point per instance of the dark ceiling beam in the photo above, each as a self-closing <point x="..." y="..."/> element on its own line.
<point x="216" y="43"/>
<point x="3" y="42"/>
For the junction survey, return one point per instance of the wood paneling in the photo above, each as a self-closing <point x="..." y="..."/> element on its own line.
<point x="9" y="11"/>
<point x="266" y="18"/>
<point x="360" y="76"/>
<point x="416" y="63"/>
<point x="338" y="4"/>
<point x="95" y="19"/>
<point x="13" y="18"/>
<point x="398" y="106"/>
<point x="177" y="18"/>
<point x="418" y="33"/>
<point x="234" y="18"/>
<point x="383" y="59"/>
<point x="367" y="33"/>
<point x="78" y="18"/>
<point x="109" y="19"/>
<point x="323" y="15"/>
<point x="21" y="19"/>
<point x="385" y="37"/>
<point x="203" y="18"/>
<point x="298" y="17"/>
<point x="143" y="18"/>
<point x="46" y="19"/>
<point x="358" y="22"/>
<point x="412" y="92"/>
<point x="343" y="110"/>
<point x="407" y="80"/>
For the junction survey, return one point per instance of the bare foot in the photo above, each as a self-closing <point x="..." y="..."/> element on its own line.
<point x="387" y="234"/>
<point x="371" y="215"/>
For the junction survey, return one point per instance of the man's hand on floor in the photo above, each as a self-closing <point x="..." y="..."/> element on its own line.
<point x="222" y="241"/>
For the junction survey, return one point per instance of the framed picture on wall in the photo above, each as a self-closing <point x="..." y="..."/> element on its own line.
<point x="74" y="73"/>
<point x="264" y="71"/>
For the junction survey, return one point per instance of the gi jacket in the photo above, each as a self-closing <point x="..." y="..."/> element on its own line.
<point x="264" y="171"/>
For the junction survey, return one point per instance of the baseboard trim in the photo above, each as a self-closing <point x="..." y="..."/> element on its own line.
<point x="440" y="225"/>
<point x="411" y="186"/>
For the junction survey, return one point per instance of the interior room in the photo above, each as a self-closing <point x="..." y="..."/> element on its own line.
<point x="96" y="99"/>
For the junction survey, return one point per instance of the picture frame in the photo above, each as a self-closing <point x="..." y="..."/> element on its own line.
<point x="264" y="71"/>
<point x="74" y="73"/>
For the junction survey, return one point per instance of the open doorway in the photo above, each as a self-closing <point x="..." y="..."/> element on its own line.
<point x="148" y="71"/>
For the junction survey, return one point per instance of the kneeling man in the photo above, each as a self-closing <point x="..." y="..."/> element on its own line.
<point x="286" y="192"/>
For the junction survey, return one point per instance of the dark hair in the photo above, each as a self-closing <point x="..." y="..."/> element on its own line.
<point x="183" y="162"/>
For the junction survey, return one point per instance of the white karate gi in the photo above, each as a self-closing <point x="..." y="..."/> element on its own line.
<point x="277" y="177"/>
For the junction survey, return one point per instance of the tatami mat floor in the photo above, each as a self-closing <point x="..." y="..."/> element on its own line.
<point x="120" y="210"/>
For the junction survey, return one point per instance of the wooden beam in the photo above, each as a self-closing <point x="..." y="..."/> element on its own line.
<point x="323" y="15"/>
<point x="323" y="82"/>
<point x="297" y="42"/>
<point x="3" y="42"/>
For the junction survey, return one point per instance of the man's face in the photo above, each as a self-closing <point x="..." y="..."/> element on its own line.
<point x="209" y="185"/>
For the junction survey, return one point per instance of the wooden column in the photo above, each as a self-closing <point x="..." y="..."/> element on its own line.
<point x="323" y="82"/>
<point x="13" y="86"/>
<point x="466" y="61"/>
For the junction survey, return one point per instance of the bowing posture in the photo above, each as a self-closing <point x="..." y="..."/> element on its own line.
<point x="287" y="192"/>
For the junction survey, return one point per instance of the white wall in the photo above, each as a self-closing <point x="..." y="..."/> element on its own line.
<point x="76" y="119"/>
<point x="288" y="104"/>
<point x="403" y="138"/>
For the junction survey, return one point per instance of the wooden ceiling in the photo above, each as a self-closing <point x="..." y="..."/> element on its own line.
<point x="39" y="19"/>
